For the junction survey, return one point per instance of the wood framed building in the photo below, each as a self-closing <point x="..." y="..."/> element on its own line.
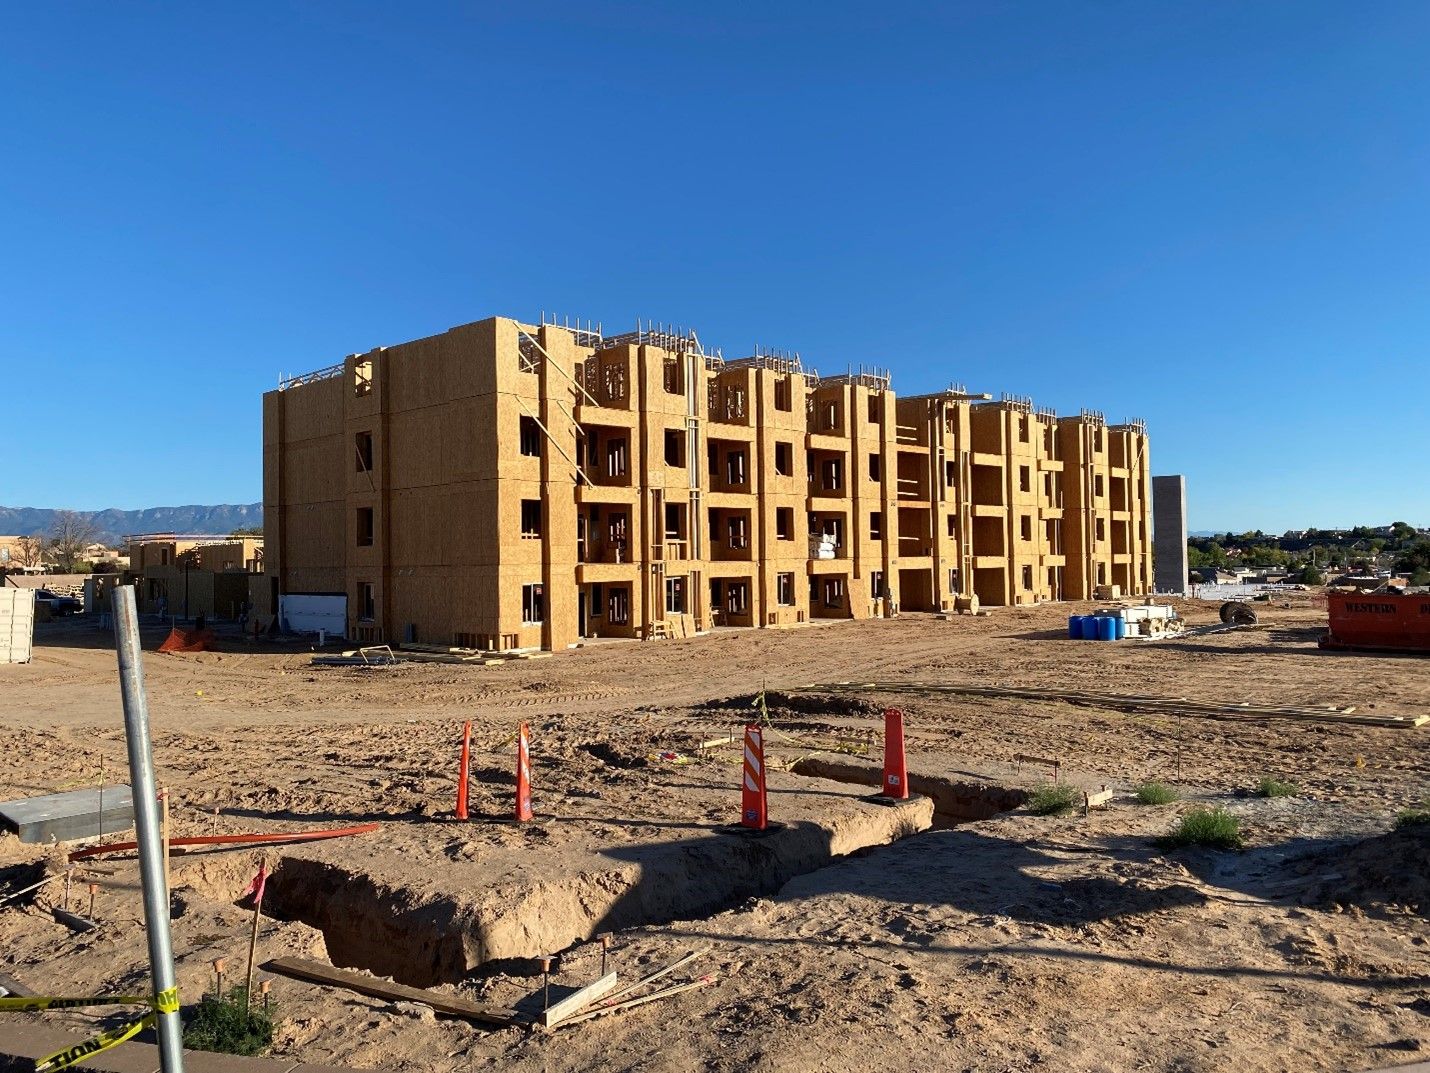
<point x="505" y="485"/>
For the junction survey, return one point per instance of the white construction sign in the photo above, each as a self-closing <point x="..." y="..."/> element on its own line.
<point x="17" y="624"/>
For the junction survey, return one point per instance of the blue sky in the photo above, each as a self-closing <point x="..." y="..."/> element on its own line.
<point x="1209" y="215"/>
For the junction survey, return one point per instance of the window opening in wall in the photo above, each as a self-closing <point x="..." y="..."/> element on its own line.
<point x="1026" y="527"/>
<point x="533" y="604"/>
<point x="784" y="459"/>
<point x="739" y="534"/>
<point x="616" y="458"/>
<point x="784" y="523"/>
<point x="362" y="377"/>
<point x="674" y="521"/>
<point x="674" y="447"/>
<point x="1023" y="428"/>
<point x="876" y="525"/>
<point x="831" y="477"/>
<point x="784" y="590"/>
<point x="1099" y="530"/>
<point x="737" y="597"/>
<point x="367" y="601"/>
<point x="953" y="581"/>
<point x="783" y="394"/>
<point x="829" y="417"/>
<point x="674" y="375"/>
<point x="876" y="584"/>
<point x="735" y="467"/>
<point x="949" y="470"/>
<point x="675" y="596"/>
<point x="598" y="601"/>
<point x="1028" y="578"/>
<point x="531" y="518"/>
<point x="1097" y="439"/>
<point x="364" y="527"/>
<point x="620" y="606"/>
<point x="833" y="592"/>
<point x="1097" y="484"/>
<point x="1101" y="574"/>
<point x="875" y="410"/>
<point x="530" y="437"/>
<point x="876" y="468"/>
<point x="363" y="444"/>
<point x="1025" y="479"/>
<point x="953" y="525"/>
<point x="616" y="534"/>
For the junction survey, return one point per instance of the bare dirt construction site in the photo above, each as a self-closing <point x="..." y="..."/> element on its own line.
<point x="956" y="931"/>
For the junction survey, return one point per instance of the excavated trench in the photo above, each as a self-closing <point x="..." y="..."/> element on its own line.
<point x="431" y="936"/>
<point x="954" y="800"/>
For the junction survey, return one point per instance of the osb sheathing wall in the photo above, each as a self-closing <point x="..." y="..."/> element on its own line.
<point x="1106" y="504"/>
<point x="931" y="499"/>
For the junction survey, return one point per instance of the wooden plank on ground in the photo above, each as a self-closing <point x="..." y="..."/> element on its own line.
<point x="577" y="1000"/>
<point x="14" y="987"/>
<point x="315" y="972"/>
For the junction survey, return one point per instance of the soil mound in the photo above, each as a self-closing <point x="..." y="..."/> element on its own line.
<point x="1388" y="870"/>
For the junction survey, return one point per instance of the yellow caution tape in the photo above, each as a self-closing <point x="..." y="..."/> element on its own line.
<point x="31" y="1003"/>
<point x="94" y="1045"/>
<point x="164" y="1002"/>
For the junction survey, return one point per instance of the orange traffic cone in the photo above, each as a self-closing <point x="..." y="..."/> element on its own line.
<point x="523" y="775"/>
<point x="462" y="774"/>
<point x="896" y="773"/>
<point x="754" y="810"/>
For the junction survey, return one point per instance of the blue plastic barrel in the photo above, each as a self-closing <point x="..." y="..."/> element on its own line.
<point x="1106" y="627"/>
<point x="1086" y="628"/>
<point x="1074" y="627"/>
<point x="1121" y="627"/>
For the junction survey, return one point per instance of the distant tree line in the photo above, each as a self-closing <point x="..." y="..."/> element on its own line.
<point x="1309" y="553"/>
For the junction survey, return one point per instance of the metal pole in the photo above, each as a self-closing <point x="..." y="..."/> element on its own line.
<point x="146" y="824"/>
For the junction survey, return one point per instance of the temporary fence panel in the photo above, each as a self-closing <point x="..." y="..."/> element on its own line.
<point x="309" y="613"/>
<point x="17" y="625"/>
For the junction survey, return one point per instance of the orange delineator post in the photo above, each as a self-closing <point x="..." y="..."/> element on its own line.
<point x="754" y="807"/>
<point x="896" y="771"/>
<point x="523" y="775"/>
<point x="462" y="775"/>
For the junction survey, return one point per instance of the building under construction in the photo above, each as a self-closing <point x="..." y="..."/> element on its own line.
<point x="505" y="485"/>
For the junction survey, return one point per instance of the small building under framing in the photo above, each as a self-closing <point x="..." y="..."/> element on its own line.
<point x="505" y="485"/>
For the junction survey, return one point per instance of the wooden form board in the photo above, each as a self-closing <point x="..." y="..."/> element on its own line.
<point x="577" y="1000"/>
<point x="315" y="972"/>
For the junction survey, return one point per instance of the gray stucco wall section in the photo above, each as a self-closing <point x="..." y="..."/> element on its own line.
<point x="1169" y="534"/>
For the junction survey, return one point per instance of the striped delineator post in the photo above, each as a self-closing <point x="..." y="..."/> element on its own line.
<point x="754" y="809"/>
<point x="896" y="772"/>
<point x="523" y="775"/>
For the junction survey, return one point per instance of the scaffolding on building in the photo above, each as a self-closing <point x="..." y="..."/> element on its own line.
<point x="1022" y="404"/>
<point x="870" y="376"/>
<point x="586" y="333"/>
<point x="298" y="380"/>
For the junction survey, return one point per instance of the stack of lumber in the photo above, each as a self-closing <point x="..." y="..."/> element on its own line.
<point x="1133" y="703"/>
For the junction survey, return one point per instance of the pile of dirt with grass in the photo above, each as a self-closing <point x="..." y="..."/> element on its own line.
<point x="1385" y="872"/>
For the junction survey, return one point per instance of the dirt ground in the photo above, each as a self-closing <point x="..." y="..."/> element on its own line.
<point x="1010" y="943"/>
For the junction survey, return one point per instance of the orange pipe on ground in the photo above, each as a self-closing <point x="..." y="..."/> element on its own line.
<point x="235" y="840"/>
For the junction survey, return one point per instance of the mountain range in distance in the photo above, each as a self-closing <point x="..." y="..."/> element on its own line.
<point x="112" y="525"/>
